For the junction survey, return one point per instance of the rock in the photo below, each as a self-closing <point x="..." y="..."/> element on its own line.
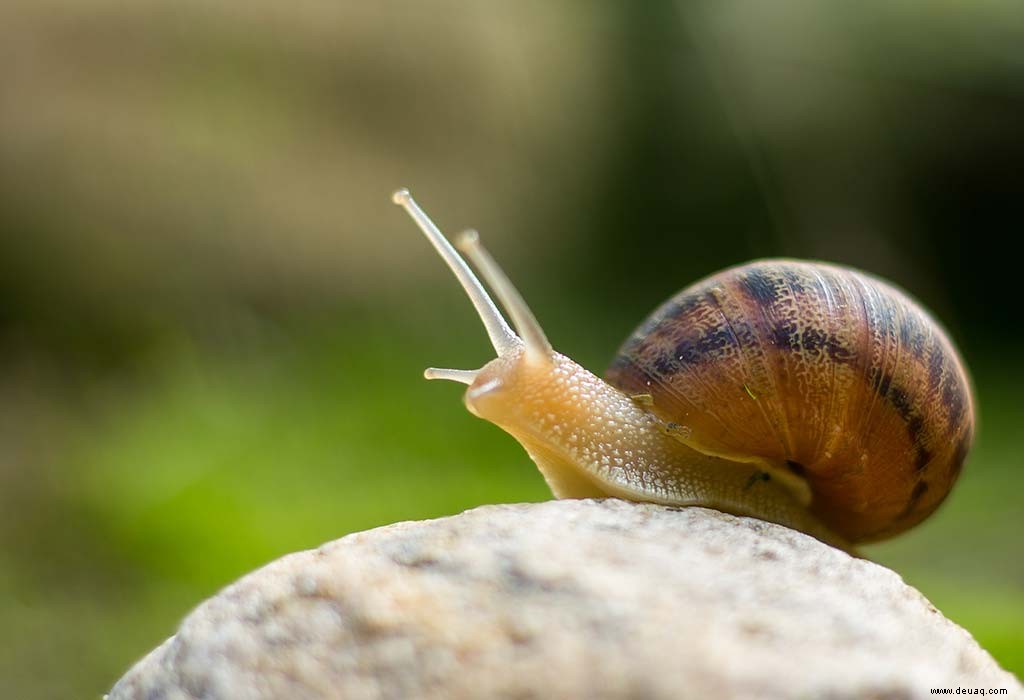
<point x="570" y="599"/>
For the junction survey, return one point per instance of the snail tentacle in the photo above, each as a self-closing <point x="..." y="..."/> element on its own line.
<point x="525" y="322"/>
<point x="502" y="337"/>
<point x="462" y="376"/>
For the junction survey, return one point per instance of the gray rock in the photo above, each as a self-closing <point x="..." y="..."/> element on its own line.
<point x="570" y="599"/>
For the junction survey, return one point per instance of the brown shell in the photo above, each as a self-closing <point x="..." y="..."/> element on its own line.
<point x="839" y="376"/>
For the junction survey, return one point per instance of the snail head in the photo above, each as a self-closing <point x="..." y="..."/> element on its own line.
<point x="525" y="358"/>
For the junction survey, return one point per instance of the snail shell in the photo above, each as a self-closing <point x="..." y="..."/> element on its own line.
<point x="822" y="370"/>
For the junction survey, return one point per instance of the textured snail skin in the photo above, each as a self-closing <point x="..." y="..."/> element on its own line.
<point x="819" y="370"/>
<point x="590" y="440"/>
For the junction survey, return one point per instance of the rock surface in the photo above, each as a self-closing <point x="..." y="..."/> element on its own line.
<point x="570" y="599"/>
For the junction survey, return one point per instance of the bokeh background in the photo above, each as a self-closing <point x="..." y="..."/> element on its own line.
<point x="213" y="322"/>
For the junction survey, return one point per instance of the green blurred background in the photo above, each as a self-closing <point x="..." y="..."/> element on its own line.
<point x="213" y="322"/>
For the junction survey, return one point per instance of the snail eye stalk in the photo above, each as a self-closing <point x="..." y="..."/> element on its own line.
<point x="525" y="322"/>
<point x="502" y="336"/>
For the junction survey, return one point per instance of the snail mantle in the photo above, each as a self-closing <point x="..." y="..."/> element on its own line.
<point x="569" y="599"/>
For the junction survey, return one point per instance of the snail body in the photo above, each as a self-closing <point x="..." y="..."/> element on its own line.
<point x="806" y="394"/>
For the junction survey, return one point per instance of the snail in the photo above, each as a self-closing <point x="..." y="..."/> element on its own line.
<point x="802" y="393"/>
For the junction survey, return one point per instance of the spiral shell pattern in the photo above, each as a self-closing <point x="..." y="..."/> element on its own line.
<point x="818" y="369"/>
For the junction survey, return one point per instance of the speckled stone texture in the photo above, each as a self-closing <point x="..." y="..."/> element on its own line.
<point x="567" y="599"/>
